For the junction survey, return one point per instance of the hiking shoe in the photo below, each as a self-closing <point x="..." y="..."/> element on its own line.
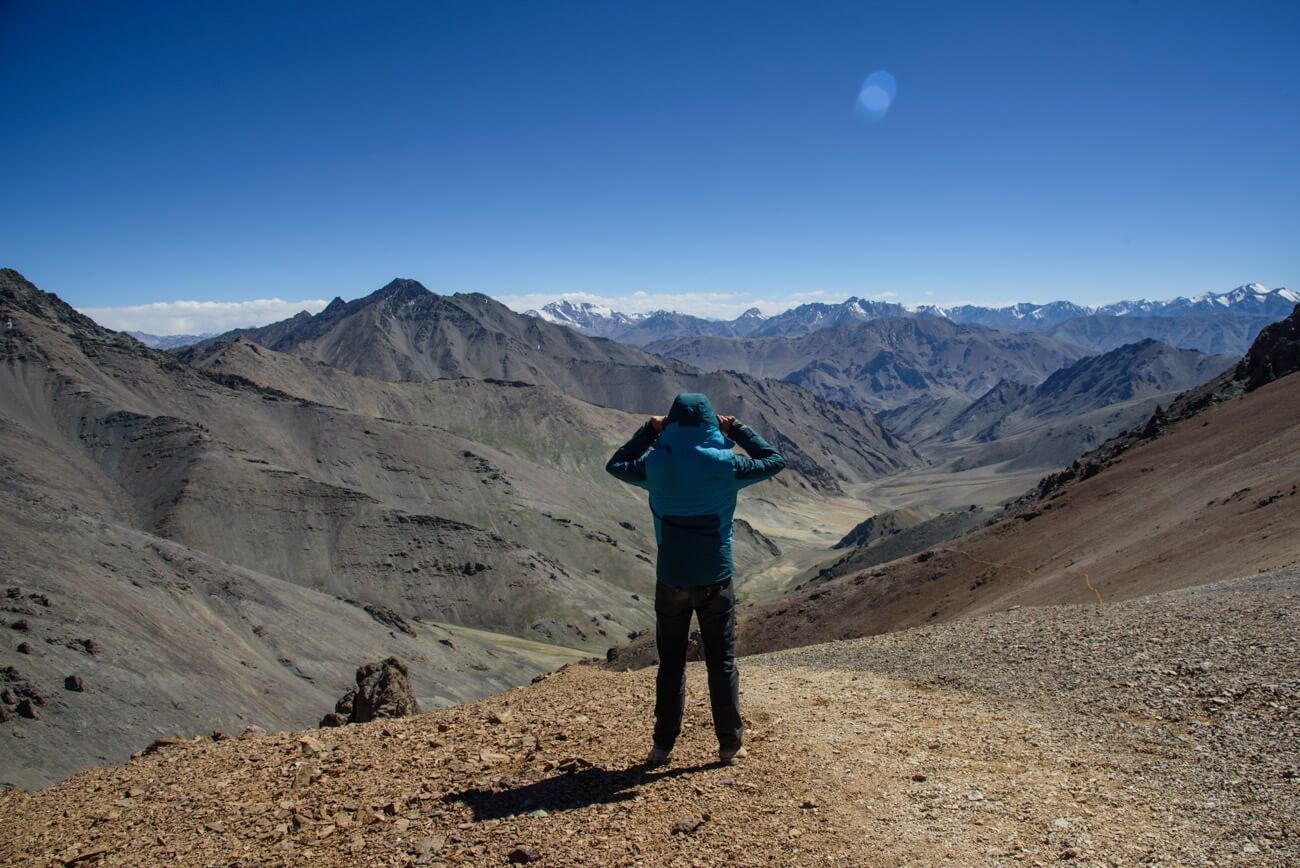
<point x="733" y="756"/>
<point x="658" y="756"/>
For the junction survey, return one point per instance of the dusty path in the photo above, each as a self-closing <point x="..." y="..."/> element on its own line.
<point x="1158" y="731"/>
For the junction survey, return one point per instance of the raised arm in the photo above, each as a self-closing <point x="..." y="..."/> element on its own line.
<point x="763" y="461"/>
<point x="628" y="463"/>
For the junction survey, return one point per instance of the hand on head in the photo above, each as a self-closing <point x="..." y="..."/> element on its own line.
<point x="724" y="424"/>
<point x="657" y="424"/>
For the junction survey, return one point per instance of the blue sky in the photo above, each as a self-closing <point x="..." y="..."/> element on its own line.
<point x="193" y="162"/>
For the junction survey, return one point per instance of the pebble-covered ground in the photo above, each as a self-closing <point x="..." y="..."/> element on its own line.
<point x="1156" y="731"/>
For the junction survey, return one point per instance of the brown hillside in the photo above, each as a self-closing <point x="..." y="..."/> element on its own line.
<point x="1218" y="495"/>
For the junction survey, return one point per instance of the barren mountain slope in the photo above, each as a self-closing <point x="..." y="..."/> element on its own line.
<point x="1226" y="333"/>
<point x="549" y="429"/>
<point x="1018" y="427"/>
<point x="408" y="516"/>
<point x="1218" y="494"/>
<point x="885" y="363"/>
<point x="404" y="332"/>
<point x="1147" y="732"/>
<point x="1121" y="376"/>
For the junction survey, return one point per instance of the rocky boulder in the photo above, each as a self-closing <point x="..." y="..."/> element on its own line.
<point x="1275" y="353"/>
<point x="383" y="690"/>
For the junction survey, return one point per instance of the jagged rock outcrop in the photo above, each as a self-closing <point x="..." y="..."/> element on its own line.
<point x="383" y="691"/>
<point x="1275" y="353"/>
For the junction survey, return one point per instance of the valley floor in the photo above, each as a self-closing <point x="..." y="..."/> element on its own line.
<point x="1161" y="730"/>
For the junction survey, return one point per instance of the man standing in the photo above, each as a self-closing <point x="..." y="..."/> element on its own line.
<point x="693" y="477"/>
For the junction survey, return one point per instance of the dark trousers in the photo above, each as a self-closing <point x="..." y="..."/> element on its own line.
<point x="715" y="606"/>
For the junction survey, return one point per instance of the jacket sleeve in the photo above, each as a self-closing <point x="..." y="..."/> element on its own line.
<point x="763" y="461"/>
<point x="628" y="463"/>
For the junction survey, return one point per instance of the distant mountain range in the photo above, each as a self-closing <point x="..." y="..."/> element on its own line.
<point x="405" y="333"/>
<point x="1212" y="322"/>
<point x="842" y="364"/>
<point x="883" y="363"/>
<point x="168" y="342"/>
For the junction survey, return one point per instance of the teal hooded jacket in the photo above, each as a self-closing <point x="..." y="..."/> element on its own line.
<point x="693" y="477"/>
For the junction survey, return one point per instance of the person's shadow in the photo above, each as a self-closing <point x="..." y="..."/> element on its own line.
<point x="566" y="790"/>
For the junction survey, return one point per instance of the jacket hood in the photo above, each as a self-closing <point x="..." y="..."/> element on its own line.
<point x="691" y="422"/>
<point x="692" y="410"/>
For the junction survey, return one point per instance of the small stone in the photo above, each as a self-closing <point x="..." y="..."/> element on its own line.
<point x="216" y="826"/>
<point x="505" y="715"/>
<point x="401" y="824"/>
<point x="310" y="745"/>
<point x="1069" y="853"/>
<point x="808" y="804"/>
<point x="430" y="845"/>
<point x="975" y="796"/>
<point x="253" y="732"/>
<point x="1250" y="848"/>
<point x="687" y="824"/>
<point x="27" y="709"/>
<point x="218" y="735"/>
<point x="24" y="648"/>
<point x="521" y="855"/>
<point x="366" y="815"/>
<point x="919" y="778"/>
<point x="1061" y="823"/>
<point x="307" y="772"/>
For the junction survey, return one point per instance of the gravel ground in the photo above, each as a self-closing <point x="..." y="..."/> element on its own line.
<point x="1199" y="687"/>
<point x="1158" y="731"/>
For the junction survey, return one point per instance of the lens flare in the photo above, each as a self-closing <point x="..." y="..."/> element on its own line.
<point x="875" y="97"/>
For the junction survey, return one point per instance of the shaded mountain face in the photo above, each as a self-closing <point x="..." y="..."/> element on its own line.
<point x="1075" y="409"/>
<point x="1221" y="333"/>
<point x="885" y="363"/>
<point x="403" y="332"/>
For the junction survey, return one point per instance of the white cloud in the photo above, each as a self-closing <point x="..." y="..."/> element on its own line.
<point x="199" y="317"/>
